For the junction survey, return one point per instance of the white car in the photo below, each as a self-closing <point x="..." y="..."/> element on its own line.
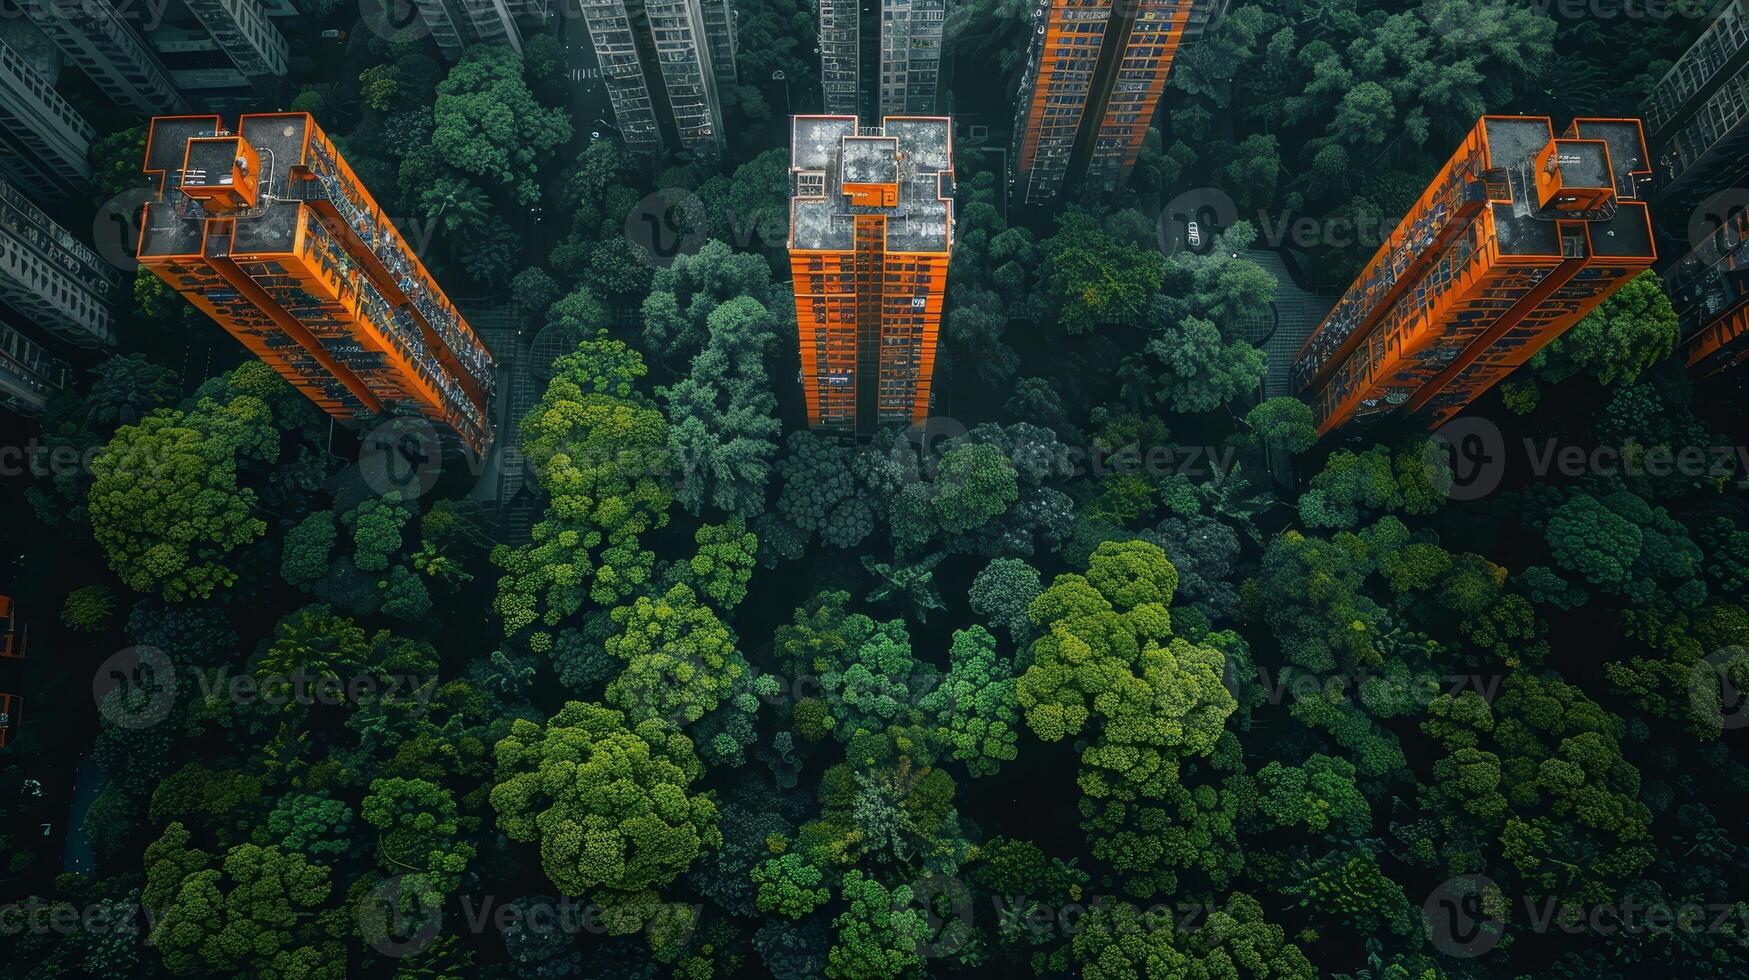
<point x="1193" y="234"/>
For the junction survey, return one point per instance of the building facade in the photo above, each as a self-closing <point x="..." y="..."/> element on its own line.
<point x="243" y="31"/>
<point x="57" y="283"/>
<point x="267" y="230"/>
<point x="1709" y="287"/>
<point x="871" y="227"/>
<point x="1092" y="82"/>
<point x="29" y="374"/>
<point x="1518" y="237"/>
<point x="659" y="61"/>
<point x="455" y="24"/>
<point x="881" y="58"/>
<point x="1695" y="115"/>
<point x="14" y="635"/>
<point x="46" y="142"/>
<point x="101" y="42"/>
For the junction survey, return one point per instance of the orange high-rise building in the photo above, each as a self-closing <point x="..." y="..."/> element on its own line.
<point x="871" y="224"/>
<point x="14" y="636"/>
<point x="268" y="231"/>
<point x="1518" y="237"/>
<point x="1093" y="78"/>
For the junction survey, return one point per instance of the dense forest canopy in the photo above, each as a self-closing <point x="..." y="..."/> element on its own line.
<point x="1112" y="669"/>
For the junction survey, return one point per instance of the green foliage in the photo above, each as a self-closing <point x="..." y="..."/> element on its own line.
<point x="975" y="706"/>
<point x="1535" y="784"/>
<point x="1634" y="328"/>
<point x="789" y="886"/>
<point x="723" y="565"/>
<point x="312" y="824"/>
<point x="256" y="911"/>
<point x="88" y="608"/>
<point x="1187" y="368"/>
<point x="820" y="491"/>
<point x="1095" y="279"/>
<point x="1105" y="655"/>
<point x="418" y="831"/>
<point x="1002" y="592"/>
<point x="686" y="294"/>
<point x="489" y="125"/>
<point x="1283" y="424"/>
<point x="609" y="806"/>
<point x="596" y="445"/>
<point x="723" y="426"/>
<point x="877" y="937"/>
<point x="307" y="549"/>
<point x="1320" y="795"/>
<point x="1414" y="480"/>
<point x="166" y="502"/>
<point x="1118" y="942"/>
<point x="912" y="585"/>
<point x="973" y="484"/>
<point x="680" y="660"/>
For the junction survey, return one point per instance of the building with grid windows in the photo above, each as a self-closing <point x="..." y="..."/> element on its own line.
<point x="56" y="282"/>
<point x="249" y="39"/>
<point x="1696" y="112"/>
<point x="664" y="65"/>
<point x="29" y="374"/>
<point x="871" y="226"/>
<point x="267" y="230"/>
<point x="1092" y="82"/>
<point x="1709" y="287"/>
<point x="101" y="42"/>
<point x="46" y="144"/>
<point x="455" y="24"/>
<point x="881" y="58"/>
<point x="1517" y="238"/>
